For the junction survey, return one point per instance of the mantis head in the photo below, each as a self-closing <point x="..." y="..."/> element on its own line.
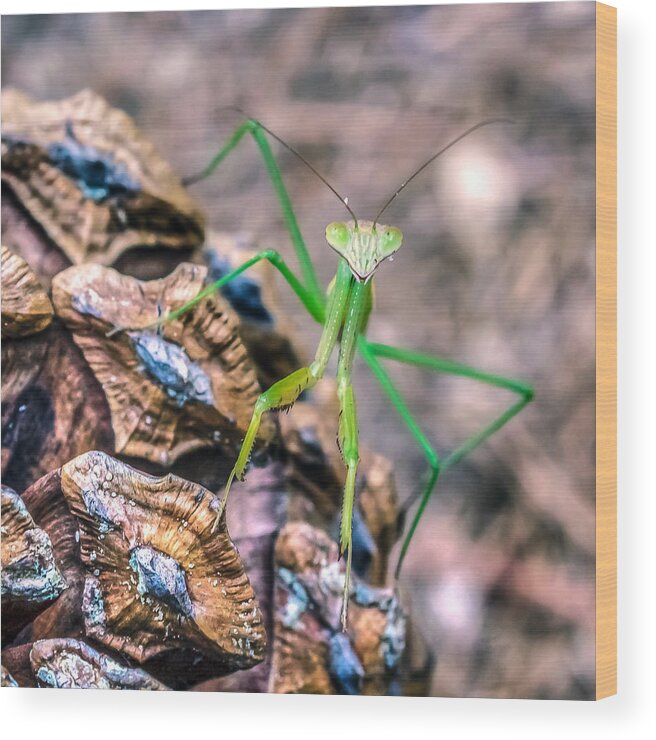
<point x="364" y="245"/>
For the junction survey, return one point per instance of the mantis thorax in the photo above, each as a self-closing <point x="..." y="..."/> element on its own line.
<point x="364" y="245"/>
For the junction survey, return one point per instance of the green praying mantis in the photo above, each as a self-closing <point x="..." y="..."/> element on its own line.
<point x="343" y="311"/>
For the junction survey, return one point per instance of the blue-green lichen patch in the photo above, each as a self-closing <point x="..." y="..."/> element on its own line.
<point x="172" y="389"/>
<point x="344" y="665"/>
<point x="97" y="174"/>
<point x="6" y="679"/>
<point x="93" y="605"/>
<point x="99" y="509"/>
<point x="88" y="302"/>
<point x="158" y="581"/>
<point x="298" y="600"/>
<point x="162" y="577"/>
<point x="393" y="639"/>
<point x="311" y="652"/>
<point x="169" y="365"/>
<point x="72" y="664"/>
<point x="30" y="575"/>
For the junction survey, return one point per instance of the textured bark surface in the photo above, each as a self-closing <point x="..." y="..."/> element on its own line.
<point x="16" y="666"/>
<point x="26" y="238"/>
<point x="147" y="577"/>
<point x="187" y="387"/>
<point x="299" y="582"/>
<point x="22" y="361"/>
<point x="53" y="408"/>
<point x="92" y="181"/>
<point x="312" y="654"/>
<point x="26" y="308"/>
<point x="72" y="664"/>
<point x="31" y="580"/>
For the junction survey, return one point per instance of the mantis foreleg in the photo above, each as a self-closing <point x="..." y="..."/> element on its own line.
<point x="313" y="307"/>
<point x="283" y="394"/>
<point x="371" y="352"/>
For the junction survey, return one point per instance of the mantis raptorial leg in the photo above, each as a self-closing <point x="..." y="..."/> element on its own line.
<point x="283" y="394"/>
<point x="362" y="246"/>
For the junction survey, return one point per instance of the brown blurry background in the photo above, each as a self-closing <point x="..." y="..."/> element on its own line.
<point x="497" y="267"/>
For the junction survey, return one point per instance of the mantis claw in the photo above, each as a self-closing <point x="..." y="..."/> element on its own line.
<point x="113" y="332"/>
<point x="347" y="587"/>
<point x="224" y="500"/>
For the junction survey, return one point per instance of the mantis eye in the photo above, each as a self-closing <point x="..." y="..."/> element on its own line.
<point x="390" y="239"/>
<point x="337" y="235"/>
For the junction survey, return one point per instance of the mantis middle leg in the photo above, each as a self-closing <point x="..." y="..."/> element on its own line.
<point x="313" y="307"/>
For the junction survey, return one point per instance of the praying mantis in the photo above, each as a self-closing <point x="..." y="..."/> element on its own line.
<point x="343" y="311"/>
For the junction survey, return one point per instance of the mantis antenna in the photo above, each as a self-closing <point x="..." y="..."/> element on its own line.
<point x="195" y="178"/>
<point x="435" y="156"/>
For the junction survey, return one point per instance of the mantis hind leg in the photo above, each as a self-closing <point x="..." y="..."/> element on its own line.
<point x="430" y="454"/>
<point x="371" y="352"/>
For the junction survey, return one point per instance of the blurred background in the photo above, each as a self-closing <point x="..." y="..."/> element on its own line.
<point x="497" y="267"/>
